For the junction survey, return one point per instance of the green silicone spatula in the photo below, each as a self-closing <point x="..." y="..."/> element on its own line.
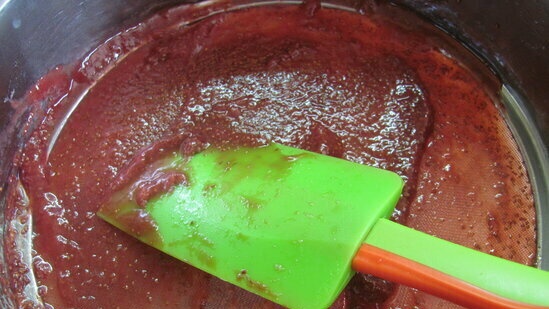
<point x="293" y="226"/>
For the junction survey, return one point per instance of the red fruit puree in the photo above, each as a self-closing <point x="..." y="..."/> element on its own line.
<point x="380" y="88"/>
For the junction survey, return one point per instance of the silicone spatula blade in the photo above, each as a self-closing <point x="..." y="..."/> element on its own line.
<point x="278" y="221"/>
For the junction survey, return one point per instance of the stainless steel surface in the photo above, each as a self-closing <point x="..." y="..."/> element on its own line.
<point x="512" y="37"/>
<point x="537" y="164"/>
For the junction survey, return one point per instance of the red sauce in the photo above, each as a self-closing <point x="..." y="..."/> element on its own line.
<point x="360" y="87"/>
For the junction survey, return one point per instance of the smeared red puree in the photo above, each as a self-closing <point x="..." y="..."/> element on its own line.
<point x="359" y="87"/>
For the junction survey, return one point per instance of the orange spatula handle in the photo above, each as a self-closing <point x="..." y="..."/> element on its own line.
<point x="392" y="267"/>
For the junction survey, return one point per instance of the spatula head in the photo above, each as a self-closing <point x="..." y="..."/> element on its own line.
<point x="278" y="221"/>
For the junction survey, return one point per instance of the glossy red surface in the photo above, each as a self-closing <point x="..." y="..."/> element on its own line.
<point x="379" y="89"/>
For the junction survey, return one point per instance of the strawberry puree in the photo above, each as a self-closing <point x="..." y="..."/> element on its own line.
<point x="360" y="87"/>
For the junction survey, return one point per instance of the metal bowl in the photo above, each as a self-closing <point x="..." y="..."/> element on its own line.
<point x="509" y="36"/>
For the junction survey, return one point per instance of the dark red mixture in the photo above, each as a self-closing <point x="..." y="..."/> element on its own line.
<point x="359" y="87"/>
